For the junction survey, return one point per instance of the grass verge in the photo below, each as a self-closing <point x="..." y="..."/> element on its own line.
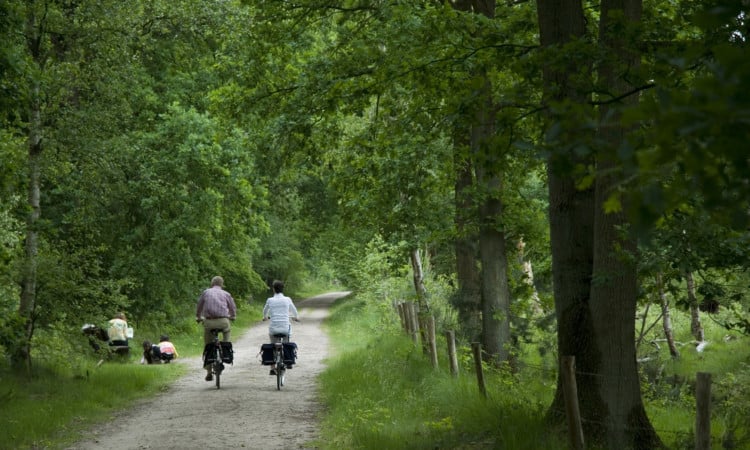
<point x="381" y="392"/>
<point x="61" y="401"/>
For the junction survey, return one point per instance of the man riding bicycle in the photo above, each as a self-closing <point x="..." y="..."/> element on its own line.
<point x="216" y="309"/>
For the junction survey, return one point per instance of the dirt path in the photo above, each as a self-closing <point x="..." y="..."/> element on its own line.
<point x="247" y="412"/>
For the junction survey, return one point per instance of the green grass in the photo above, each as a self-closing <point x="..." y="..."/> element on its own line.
<point x="381" y="392"/>
<point x="670" y="401"/>
<point x="52" y="408"/>
<point x="64" y="398"/>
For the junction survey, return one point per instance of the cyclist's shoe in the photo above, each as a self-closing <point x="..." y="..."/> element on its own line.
<point x="272" y="372"/>
<point x="209" y="377"/>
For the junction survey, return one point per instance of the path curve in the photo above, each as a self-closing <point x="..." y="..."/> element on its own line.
<point x="247" y="412"/>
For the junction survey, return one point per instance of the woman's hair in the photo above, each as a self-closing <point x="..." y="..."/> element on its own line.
<point x="163" y="338"/>
<point x="278" y="286"/>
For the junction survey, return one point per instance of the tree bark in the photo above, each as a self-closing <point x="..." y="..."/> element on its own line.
<point x="468" y="297"/>
<point x="494" y="274"/>
<point x="571" y="210"/>
<point x="614" y="284"/>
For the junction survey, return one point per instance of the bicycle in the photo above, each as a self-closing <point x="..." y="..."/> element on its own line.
<point x="213" y="355"/>
<point x="284" y="354"/>
<point x="279" y="366"/>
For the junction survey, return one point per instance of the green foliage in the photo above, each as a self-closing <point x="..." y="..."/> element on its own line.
<point x="696" y="116"/>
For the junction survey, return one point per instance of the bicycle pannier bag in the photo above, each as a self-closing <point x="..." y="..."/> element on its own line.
<point x="290" y="353"/>
<point x="227" y="354"/>
<point x="266" y="354"/>
<point x="208" y="354"/>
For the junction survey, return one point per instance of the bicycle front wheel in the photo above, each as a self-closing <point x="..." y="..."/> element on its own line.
<point x="279" y="376"/>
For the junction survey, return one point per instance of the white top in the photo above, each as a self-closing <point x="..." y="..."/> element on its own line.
<point x="279" y="308"/>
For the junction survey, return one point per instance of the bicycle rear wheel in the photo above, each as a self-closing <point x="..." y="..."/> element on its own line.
<point x="217" y="368"/>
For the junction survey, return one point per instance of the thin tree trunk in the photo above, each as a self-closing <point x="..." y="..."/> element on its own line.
<point x="418" y="274"/>
<point x="21" y="356"/>
<point x="423" y="308"/>
<point x="696" y="328"/>
<point x="528" y="272"/>
<point x="666" y="318"/>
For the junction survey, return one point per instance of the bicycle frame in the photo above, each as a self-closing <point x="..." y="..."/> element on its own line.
<point x="217" y="366"/>
<point x="278" y="358"/>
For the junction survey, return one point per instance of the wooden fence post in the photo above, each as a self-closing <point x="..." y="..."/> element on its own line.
<point x="402" y="316"/>
<point x="703" y="411"/>
<point x="414" y="322"/>
<point x="450" y="338"/>
<point x="572" y="411"/>
<point x="433" y="341"/>
<point x="476" y="349"/>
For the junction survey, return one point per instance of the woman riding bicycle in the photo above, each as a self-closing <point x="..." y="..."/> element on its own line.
<point x="279" y="309"/>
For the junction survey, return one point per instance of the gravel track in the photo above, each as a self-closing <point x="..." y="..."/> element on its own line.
<point x="247" y="412"/>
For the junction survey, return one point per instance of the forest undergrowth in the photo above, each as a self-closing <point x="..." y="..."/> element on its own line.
<point x="382" y="392"/>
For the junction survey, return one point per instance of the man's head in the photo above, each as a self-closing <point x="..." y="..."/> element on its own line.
<point x="278" y="286"/>
<point x="217" y="281"/>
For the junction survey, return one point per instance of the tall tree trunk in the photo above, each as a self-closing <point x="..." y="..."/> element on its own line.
<point x="495" y="289"/>
<point x="666" y="317"/>
<point x="468" y="296"/>
<point x="614" y="284"/>
<point x="696" y="328"/>
<point x="571" y="210"/>
<point x="494" y="273"/>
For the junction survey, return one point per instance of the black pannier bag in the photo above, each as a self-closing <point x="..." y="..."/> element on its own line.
<point x="227" y="354"/>
<point x="290" y="353"/>
<point x="266" y="354"/>
<point x="208" y="354"/>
